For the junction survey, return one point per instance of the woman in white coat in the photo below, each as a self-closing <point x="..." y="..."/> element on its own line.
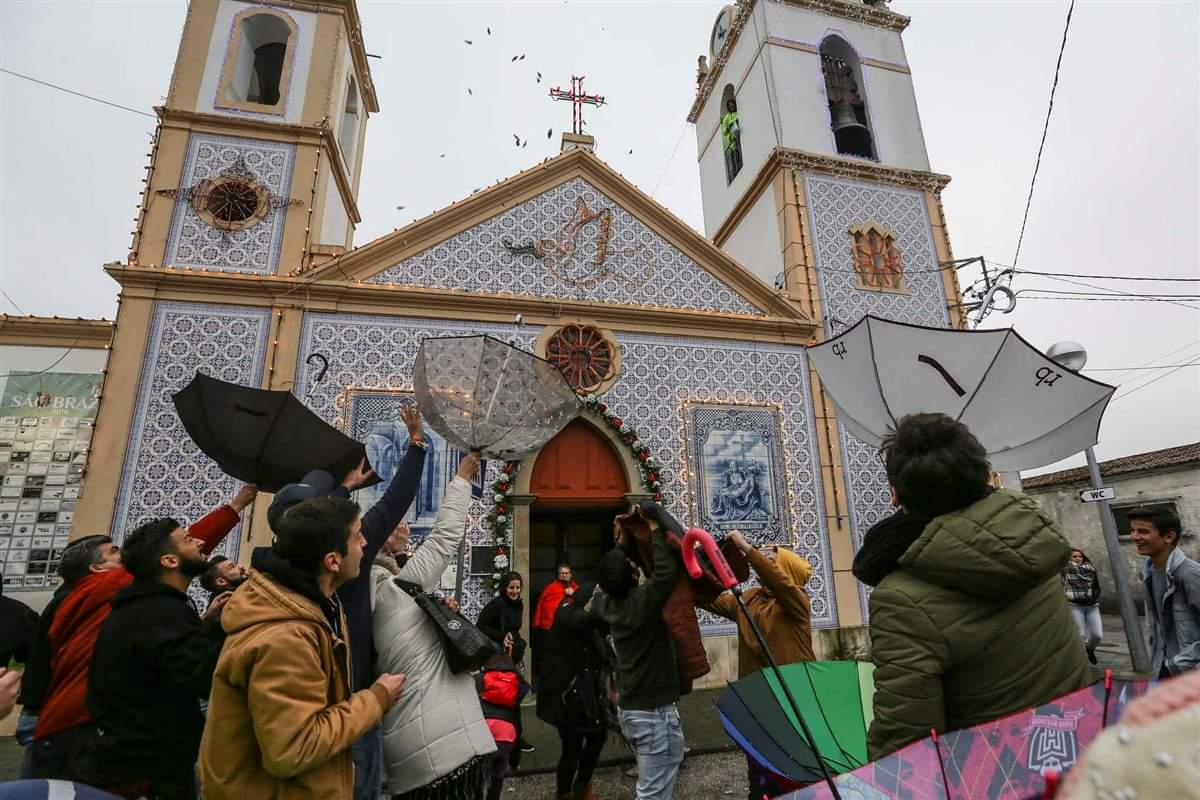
<point x="436" y="744"/>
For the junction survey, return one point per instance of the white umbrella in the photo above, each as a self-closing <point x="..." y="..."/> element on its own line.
<point x="1025" y="409"/>
<point x="480" y="393"/>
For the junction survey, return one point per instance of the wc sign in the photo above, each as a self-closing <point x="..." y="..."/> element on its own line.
<point x="1096" y="495"/>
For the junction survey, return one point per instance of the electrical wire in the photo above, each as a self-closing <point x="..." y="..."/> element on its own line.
<point x="1131" y="369"/>
<point x="1045" y="129"/>
<point x="77" y="94"/>
<point x="1155" y="380"/>
<point x="59" y="360"/>
<point x="8" y="297"/>
<point x="679" y="141"/>
<point x="1168" y="355"/>
<point x="1103" y="277"/>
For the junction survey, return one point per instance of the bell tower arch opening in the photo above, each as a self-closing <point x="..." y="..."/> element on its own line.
<point x="847" y="98"/>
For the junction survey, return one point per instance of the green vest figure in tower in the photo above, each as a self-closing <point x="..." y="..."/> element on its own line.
<point x="731" y="135"/>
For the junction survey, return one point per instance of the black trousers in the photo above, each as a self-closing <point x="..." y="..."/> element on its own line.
<point x="580" y="752"/>
<point x="57" y="756"/>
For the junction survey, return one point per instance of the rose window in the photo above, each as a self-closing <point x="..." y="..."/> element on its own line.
<point x="584" y="356"/>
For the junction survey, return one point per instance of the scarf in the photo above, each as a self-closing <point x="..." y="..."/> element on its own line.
<point x="1079" y="579"/>
<point x="883" y="545"/>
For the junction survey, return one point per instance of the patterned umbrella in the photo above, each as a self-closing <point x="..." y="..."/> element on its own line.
<point x="1006" y="759"/>
<point x="1023" y="407"/>
<point x="483" y="394"/>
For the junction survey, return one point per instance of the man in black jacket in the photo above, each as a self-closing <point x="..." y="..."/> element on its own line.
<point x="355" y="596"/>
<point x="647" y="677"/>
<point x="151" y="666"/>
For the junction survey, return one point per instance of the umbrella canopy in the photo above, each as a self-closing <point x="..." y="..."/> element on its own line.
<point x="1025" y="409"/>
<point x="264" y="437"/>
<point x="835" y="698"/>
<point x="483" y="394"/>
<point x="1001" y="760"/>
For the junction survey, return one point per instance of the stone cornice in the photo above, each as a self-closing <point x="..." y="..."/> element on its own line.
<point x="282" y="291"/>
<point x="859" y="169"/>
<point x="88" y="334"/>
<point x="319" y="135"/>
<point x="372" y="258"/>
<point x="846" y="9"/>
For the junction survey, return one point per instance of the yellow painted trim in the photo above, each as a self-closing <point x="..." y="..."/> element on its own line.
<point x="29" y="331"/>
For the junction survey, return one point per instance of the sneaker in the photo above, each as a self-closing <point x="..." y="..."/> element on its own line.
<point x="1091" y="654"/>
<point x="526" y="747"/>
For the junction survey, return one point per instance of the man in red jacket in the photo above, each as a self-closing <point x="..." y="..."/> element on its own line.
<point x="547" y="607"/>
<point x="65" y="727"/>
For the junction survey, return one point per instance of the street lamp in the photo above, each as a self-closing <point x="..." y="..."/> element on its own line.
<point x="1073" y="356"/>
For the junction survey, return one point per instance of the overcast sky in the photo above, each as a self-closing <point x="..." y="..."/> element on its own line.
<point x="1118" y="192"/>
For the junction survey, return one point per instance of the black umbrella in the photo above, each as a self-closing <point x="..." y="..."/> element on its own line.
<point x="264" y="437"/>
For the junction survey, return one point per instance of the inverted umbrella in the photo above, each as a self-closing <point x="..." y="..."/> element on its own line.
<point x="1006" y="759"/>
<point x="1024" y="408"/>
<point x="835" y="698"/>
<point x="261" y="436"/>
<point x="483" y="394"/>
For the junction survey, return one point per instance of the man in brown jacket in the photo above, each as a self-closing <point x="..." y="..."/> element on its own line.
<point x="281" y="718"/>
<point x="781" y="608"/>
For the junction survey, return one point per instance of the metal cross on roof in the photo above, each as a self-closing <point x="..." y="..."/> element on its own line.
<point x="578" y="98"/>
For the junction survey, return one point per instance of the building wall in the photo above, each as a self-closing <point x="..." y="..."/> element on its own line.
<point x="755" y="243"/>
<point x="42" y="459"/>
<point x="1081" y="523"/>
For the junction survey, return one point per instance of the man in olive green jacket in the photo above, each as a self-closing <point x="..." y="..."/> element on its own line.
<point x="968" y="619"/>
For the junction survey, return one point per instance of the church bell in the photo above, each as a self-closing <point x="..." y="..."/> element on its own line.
<point x="852" y="137"/>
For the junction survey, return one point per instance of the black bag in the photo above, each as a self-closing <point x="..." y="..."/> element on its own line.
<point x="467" y="648"/>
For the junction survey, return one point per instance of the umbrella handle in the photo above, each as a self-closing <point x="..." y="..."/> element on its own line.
<point x="702" y="537"/>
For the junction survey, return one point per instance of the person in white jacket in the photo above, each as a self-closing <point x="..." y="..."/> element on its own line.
<point x="436" y="744"/>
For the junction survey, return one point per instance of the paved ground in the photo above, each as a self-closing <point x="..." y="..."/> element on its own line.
<point x="716" y="775"/>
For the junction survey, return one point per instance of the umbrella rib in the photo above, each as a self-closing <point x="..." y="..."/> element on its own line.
<point x="825" y="717"/>
<point x="875" y="367"/>
<point x="983" y="377"/>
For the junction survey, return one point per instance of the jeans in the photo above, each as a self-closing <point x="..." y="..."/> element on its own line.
<point x="1087" y="619"/>
<point x="368" y="764"/>
<point x="26" y="724"/>
<point x="657" y="740"/>
<point x="580" y="752"/>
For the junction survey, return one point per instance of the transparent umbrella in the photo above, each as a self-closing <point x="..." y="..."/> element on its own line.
<point x="1024" y="408"/>
<point x="481" y="393"/>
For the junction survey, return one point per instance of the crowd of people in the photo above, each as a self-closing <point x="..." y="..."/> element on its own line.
<point x="321" y="673"/>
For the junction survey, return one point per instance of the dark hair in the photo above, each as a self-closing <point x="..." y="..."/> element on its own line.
<point x="150" y="541"/>
<point x="1162" y="518"/>
<point x="80" y="556"/>
<point x="614" y="574"/>
<point x="1086" y="560"/>
<point x="563" y="565"/>
<point x="935" y="464"/>
<point x="310" y="530"/>
<point x="508" y="578"/>
<point x="208" y="579"/>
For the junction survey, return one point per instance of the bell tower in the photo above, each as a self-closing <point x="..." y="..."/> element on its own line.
<point x="256" y="161"/>
<point x="815" y="177"/>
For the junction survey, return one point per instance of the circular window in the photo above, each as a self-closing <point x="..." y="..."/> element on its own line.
<point x="586" y="357"/>
<point x="230" y="203"/>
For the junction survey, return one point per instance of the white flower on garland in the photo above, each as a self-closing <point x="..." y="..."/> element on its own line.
<point x="501" y="562"/>
<point x="496" y="576"/>
<point x="625" y="429"/>
<point x="497" y="498"/>
<point x="502" y="519"/>
<point x="590" y="399"/>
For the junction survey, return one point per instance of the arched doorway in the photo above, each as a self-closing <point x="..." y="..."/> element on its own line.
<point x="580" y="484"/>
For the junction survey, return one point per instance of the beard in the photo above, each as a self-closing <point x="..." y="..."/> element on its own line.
<point x="192" y="567"/>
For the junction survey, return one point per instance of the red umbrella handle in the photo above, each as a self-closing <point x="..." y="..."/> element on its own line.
<point x="700" y="536"/>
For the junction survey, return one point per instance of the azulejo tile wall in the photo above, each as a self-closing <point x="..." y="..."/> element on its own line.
<point x="165" y="474"/>
<point x="192" y="242"/>
<point x="590" y="254"/>
<point x="659" y="374"/>
<point x="836" y="205"/>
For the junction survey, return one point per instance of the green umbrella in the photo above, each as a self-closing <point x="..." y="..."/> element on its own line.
<point x="835" y="699"/>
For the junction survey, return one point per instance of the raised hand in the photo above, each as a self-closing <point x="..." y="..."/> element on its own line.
<point x="244" y="497"/>
<point x="469" y="467"/>
<point x="216" y="604"/>
<point x="450" y="603"/>
<point x="10" y="684"/>
<point x="410" y="415"/>
<point x="358" y="476"/>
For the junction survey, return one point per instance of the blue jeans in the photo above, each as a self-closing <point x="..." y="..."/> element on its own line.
<point x="26" y="723"/>
<point x="657" y="740"/>
<point x="368" y="764"/>
<point x="1087" y="619"/>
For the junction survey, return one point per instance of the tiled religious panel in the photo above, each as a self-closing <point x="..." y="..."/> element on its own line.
<point x="193" y="242"/>
<point x="165" y="474"/>
<point x="572" y="242"/>
<point x="836" y="207"/>
<point x="663" y="376"/>
<point x="659" y="374"/>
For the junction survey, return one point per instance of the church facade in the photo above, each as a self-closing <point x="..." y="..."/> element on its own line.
<point x="687" y="352"/>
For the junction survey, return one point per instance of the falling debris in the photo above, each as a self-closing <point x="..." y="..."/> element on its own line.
<point x="522" y="58"/>
<point x="630" y="152"/>
<point x="470" y="92"/>
<point x="549" y="133"/>
<point x="399" y="208"/>
<point x="514" y="58"/>
<point x="516" y="140"/>
<point x="443" y="155"/>
<point x="489" y="30"/>
<point x="468" y="41"/>
<point x="524" y="143"/>
<point x="539" y="80"/>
